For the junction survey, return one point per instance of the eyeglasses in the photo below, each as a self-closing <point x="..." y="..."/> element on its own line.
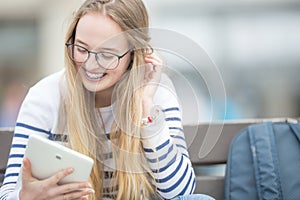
<point x="104" y="59"/>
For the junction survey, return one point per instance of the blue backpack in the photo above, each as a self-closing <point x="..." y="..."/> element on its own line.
<point x="264" y="163"/>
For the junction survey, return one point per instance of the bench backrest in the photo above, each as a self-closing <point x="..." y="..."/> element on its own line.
<point x="208" y="145"/>
<point x="6" y="135"/>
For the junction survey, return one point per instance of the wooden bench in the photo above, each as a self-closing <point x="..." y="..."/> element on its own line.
<point x="208" y="145"/>
<point x="6" y="135"/>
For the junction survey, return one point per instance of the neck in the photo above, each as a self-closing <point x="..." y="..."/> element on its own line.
<point x="103" y="98"/>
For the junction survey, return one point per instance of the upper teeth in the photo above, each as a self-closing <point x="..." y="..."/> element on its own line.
<point x="94" y="76"/>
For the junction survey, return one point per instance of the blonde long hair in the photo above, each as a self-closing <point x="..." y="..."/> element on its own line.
<point x="82" y="124"/>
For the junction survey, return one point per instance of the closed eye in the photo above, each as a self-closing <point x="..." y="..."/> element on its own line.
<point x="80" y="49"/>
<point x="106" y="55"/>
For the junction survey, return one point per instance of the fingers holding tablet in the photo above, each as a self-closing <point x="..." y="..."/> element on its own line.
<point x="61" y="174"/>
<point x="26" y="171"/>
<point x="49" y="188"/>
<point x="77" y="190"/>
<point x="53" y="171"/>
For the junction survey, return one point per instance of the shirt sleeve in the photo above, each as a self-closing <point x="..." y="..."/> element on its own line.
<point x="165" y="146"/>
<point x="35" y="117"/>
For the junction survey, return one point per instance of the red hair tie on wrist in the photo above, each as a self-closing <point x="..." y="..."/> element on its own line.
<point x="146" y="121"/>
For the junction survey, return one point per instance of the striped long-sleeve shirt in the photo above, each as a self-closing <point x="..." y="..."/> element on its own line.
<point x="169" y="162"/>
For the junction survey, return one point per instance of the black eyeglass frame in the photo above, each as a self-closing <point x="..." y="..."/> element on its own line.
<point x="96" y="53"/>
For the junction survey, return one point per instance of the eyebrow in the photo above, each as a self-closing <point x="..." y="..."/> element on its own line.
<point x="80" y="41"/>
<point x="102" y="48"/>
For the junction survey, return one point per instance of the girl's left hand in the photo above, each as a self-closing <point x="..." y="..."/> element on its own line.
<point x="152" y="78"/>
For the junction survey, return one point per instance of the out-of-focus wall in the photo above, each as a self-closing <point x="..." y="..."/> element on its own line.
<point x="255" y="46"/>
<point x="50" y="20"/>
<point x="52" y="29"/>
<point x="32" y="42"/>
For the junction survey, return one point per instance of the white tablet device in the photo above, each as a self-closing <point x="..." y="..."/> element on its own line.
<point x="48" y="157"/>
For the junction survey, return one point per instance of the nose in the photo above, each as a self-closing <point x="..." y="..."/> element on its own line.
<point x="91" y="63"/>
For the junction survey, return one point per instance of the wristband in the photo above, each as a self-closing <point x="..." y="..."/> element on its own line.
<point x="146" y="121"/>
<point x="153" y="115"/>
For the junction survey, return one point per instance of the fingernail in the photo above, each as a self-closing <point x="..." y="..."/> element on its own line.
<point x="88" y="185"/>
<point x="70" y="170"/>
<point x="24" y="164"/>
<point x="91" y="191"/>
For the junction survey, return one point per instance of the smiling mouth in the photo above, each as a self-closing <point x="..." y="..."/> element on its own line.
<point x="94" y="76"/>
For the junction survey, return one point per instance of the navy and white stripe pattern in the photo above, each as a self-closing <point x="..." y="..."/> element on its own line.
<point x="22" y="132"/>
<point x="163" y="141"/>
<point x="169" y="159"/>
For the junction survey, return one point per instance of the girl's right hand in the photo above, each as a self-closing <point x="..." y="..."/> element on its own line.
<point x="49" y="189"/>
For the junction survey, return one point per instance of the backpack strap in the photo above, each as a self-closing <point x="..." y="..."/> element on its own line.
<point x="265" y="161"/>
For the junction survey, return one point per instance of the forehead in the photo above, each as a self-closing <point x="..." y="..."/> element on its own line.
<point x="96" y="29"/>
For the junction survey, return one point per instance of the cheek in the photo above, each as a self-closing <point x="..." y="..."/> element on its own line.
<point x="79" y="70"/>
<point x="76" y="66"/>
<point x="120" y="70"/>
<point x="116" y="74"/>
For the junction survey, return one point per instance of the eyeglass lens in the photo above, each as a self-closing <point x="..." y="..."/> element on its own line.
<point x="104" y="59"/>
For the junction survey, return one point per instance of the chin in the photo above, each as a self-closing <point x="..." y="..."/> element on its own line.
<point x="95" y="87"/>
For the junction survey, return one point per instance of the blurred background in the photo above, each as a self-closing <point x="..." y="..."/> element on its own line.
<point x="254" y="44"/>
